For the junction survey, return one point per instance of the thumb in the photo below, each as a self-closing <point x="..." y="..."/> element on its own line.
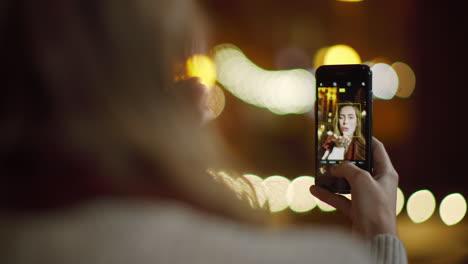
<point x="350" y="172"/>
<point x="340" y="202"/>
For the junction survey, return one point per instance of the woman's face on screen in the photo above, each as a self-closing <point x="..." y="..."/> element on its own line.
<point x="347" y="120"/>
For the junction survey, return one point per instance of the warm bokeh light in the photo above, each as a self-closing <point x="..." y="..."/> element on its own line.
<point x="350" y="1"/>
<point x="299" y="198"/>
<point x="214" y="102"/>
<point x="341" y="54"/>
<point x="282" y="92"/>
<point x="324" y="206"/>
<point x="384" y="81"/>
<point x="400" y="202"/>
<point x="276" y="188"/>
<point x="320" y="56"/>
<point x="203" y="67"/>
<point x="452" y="209"/>
<point x="259" y="187"/>
<point x="407" y="79"/>
<point x="420" y="206"/>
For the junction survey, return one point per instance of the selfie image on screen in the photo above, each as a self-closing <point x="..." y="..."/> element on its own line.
<point x="341" y="122"/>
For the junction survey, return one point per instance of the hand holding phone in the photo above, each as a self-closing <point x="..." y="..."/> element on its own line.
<point x="343" y="121"/>
<point x="373" y="205"/>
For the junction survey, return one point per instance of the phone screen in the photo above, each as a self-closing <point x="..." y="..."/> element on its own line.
<point x="343" y="119"/>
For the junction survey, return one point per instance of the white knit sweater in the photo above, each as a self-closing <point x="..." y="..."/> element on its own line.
<point x="124" y="232"/>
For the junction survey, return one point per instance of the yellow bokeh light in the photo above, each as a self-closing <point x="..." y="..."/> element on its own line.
<point x="421" y="205"/>
<point x="400" y="201"/>
<point x="259" y="187"/>
<point x="407" y="79"/>
<point x="203" y="67"/>
<point x="384" y="81"/>
<point x="320" y="56"/>
<point x="276" y="188"/>
<point x="341" y="54"/>
<point x="452" y="209"/>
<point x="299" y="198"/>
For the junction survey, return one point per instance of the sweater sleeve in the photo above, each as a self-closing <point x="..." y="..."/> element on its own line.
<point x="388" y="249"/>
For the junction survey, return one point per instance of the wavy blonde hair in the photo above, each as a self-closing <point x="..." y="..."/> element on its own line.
<point x="92" y="81"/>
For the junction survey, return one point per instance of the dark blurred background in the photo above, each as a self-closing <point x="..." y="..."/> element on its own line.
<point x="424" y="134"/>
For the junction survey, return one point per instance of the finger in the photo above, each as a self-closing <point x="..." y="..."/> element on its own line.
<point x="350" y="172"/>
<point x="340" y="202"/>
<point x="383" y="168"/>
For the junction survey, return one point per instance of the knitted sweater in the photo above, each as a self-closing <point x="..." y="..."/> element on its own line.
<point x="128" y="232"/>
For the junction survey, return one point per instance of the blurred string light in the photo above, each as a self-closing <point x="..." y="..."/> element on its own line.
<point x="452" y="209"/>
<point x="276" y="188"/>
<point x="420" y="206"/>
<point x="281" y="193"/>
<point x="400" y="201"/>
<point x="298" y="195"/>
<point x="203" y="67"/>
<point x="407" y="79"/>
<point x="282" y="92"/>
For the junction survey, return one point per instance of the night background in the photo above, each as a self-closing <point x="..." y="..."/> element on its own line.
<point x="424" y="134"/>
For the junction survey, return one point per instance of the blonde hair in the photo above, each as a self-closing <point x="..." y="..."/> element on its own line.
<point x="357" y="138"/>
<point x="95" y="78"/>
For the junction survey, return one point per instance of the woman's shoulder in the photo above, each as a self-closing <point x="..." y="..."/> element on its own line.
<point x="165" y="232"/>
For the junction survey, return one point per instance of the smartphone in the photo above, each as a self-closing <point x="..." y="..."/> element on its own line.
<point x="343" y="121"/>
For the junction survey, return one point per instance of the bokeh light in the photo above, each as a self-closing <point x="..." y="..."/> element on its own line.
<point x="299" y="198"/>
<point x="420" y="206"/>
<point x="341" y="54"/>
<point x="203" y="67"/>
<point x="259" y="187"/>
<point x="214" y="102"/>
<point x="384" y="81"/>
<point x="407" y="79"/>
<point x="319" y="56"/>
<point x="282" y="92"/>
<point x="452" y="209"/>
<point x="324" y="206"/>
<point x="400" y="201"/>
<point x="276" y="188"/>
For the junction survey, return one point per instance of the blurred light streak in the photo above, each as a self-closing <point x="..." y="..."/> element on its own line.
<point x="282" y="92"/>
<point x="276" y="187"/>
<point x="384" y="81"/>
<point x="341" y="54"/>
<point x="407" y="79"/>
<point x="259" y="187"/>
<point x="203" y="67"/>
<point x="452" y="209"/>
<point x="400" y="201"/>
<point x="420" y="206"/>
<point x="299" y="198"/>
